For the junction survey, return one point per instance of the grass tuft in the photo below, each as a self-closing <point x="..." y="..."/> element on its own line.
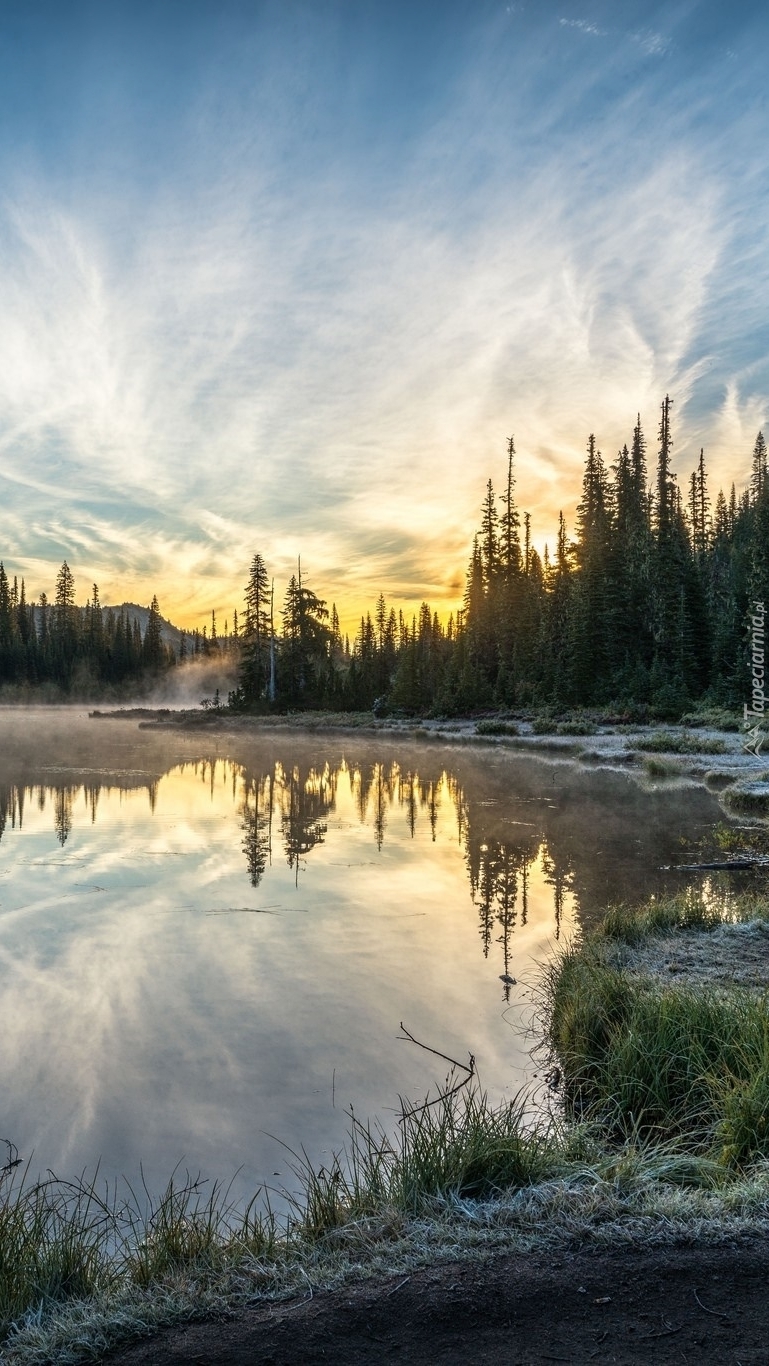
<point x="459" y="1147"/>
<point x="660" y="1063"/>
<point x="748" y="800"/>
<point x="181" y="1229"/>
<point x="52" y="1237"/>
<point x="661" y="768"/>
<point x="688" y="910"/>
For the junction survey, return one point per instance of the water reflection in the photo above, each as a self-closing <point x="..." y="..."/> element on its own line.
<point x="208" y="940"/>
<point x="589" y="838"/>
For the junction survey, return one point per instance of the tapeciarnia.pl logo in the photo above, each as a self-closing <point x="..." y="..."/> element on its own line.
<point x="755" y="712"/>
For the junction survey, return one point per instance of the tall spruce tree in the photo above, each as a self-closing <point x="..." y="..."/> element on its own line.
<point x="305" y="643"/>
<point x="153" y="650"/>
<point x="510" y="603"/>
<point x="758" y="471"/>
<point x="588" y="625"/>
<point x="509" y="523"/>
<point x="65" y="625"/>
<point x="256" y="638"/>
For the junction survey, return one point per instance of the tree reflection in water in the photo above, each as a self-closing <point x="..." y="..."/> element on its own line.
<point x="256" y="823"/>
<point x="594" y="837"/>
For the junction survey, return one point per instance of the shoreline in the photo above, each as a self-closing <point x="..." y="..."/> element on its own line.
<point x="659" y="752"/>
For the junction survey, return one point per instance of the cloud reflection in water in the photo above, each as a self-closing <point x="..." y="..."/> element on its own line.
<point x="189" y="955"/>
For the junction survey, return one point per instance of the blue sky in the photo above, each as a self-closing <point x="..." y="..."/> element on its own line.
<point x="285" y="277"/>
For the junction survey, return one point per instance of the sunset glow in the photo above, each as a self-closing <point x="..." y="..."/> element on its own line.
<point x="285" y="277"/>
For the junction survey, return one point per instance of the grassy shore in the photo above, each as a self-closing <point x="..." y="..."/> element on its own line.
<point x="664" y="1062"/>
<point x="655" y="1128"/>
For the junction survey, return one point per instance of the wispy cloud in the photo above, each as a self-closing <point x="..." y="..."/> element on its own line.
<point x="326" y="354"/>
<point x="651" y="44"/>
<point x="584" y="26"/>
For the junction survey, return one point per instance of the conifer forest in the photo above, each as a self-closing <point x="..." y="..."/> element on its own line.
<point x="645" y="604"/>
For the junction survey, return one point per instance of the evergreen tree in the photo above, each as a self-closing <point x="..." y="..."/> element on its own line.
<point x="153" y="650"/>
<point x="6" y="628"/>
<point x="758" y="473"/>
<point x="489" y="537"/>
<point x="756" y="521"/>
<point x="95" y="634"/>
<point x="304" y="647"/>
<point x="509" y="538"/>
<point x="680" y="664"/>
<point x="588" y="623"/>
<point x="703" y="507"/>
<point x="257" y="634"/>
<point x="666" y="487"/>
<point x="557" y="672"/>
<point x="65" y="625"/>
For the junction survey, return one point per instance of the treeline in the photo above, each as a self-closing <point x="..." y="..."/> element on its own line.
<point x="69" y="647"/>
<point x="648" y="604"/>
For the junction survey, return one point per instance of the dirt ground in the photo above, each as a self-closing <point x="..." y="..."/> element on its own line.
<point x="675" y="1304"/>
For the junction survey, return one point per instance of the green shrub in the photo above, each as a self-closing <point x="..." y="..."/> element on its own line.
<point x="713" y="718"/>
<point x="496" y="728"/>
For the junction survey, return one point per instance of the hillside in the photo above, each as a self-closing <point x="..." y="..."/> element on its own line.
<point x="171" y="634"/>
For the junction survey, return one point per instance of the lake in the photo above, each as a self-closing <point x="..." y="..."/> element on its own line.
<point x="208" y="942"/>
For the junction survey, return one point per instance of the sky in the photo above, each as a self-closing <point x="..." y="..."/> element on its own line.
<point x="285" y="277"/>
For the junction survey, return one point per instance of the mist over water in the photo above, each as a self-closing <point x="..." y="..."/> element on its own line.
<point x="209" y="939"/>
<point x="193" y="682"/>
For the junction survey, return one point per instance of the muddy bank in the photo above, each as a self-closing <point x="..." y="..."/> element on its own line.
<point x="671" y="1304"/>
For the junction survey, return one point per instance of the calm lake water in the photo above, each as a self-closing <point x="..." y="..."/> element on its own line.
<point x="207" y="943"/>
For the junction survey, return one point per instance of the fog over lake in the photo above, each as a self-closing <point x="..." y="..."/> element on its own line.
<point x="208" y="941"/>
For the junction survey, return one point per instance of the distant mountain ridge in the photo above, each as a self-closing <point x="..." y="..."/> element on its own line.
<point x="170" y="634"/>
